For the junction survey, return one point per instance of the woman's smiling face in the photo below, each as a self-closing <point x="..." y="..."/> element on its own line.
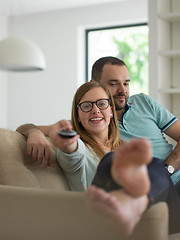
<point x="96" y="120"/>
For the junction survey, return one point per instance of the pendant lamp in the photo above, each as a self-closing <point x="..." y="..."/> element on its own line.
<point x="21" y="55"/>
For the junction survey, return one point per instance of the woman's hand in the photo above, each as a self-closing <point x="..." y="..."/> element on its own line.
<point x="67" y="145"/>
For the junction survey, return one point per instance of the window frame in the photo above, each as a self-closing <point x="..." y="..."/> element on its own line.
<point x="101" y="29"/>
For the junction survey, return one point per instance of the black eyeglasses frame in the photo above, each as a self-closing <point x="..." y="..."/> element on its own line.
<point x="96" y="102"/>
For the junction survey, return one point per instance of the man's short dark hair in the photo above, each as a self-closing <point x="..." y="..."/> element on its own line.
<point x="99" y="64"/>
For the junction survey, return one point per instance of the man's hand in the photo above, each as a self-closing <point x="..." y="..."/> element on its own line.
<point x="38" y="147"/>
<point x="174" y="132"/>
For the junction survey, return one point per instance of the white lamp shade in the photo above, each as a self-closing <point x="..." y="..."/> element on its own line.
<point x="19" y="54"/>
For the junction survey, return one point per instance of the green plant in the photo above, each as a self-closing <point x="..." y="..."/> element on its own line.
<point x="133" y="50"/>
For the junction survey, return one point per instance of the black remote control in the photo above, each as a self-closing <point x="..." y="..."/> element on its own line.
<point x="67" y="133"/>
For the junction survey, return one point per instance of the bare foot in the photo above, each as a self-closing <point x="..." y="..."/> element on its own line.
<point x="122" y="210"/>
<point x="129" y="167"/>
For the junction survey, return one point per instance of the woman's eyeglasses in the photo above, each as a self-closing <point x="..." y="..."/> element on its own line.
<point x="88" y="105"/>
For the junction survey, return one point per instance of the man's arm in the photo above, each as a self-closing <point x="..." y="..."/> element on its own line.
<point x="37" y="145"/>
<point x="25" y="129"/>
<point x="174" y="132"/>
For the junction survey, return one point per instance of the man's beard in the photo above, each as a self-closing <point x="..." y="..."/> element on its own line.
<point x="119" y="105"/>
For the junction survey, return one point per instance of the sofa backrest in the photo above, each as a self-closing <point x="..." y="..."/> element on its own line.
<point x="18" y="169"/>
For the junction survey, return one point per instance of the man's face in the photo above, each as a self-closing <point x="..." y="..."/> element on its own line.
<point x="117" y="79"/>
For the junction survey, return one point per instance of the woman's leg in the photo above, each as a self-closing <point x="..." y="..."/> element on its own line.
<point x="177" y="186"/>
<point x="123" y="206"/>
<point x="129" y="168"/>
<point x="161" y="189"/>
<point x="121" y="209"/>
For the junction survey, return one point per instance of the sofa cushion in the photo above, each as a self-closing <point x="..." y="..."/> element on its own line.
<point x="18" y="169"/>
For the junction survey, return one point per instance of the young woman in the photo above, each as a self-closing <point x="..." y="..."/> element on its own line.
<point x="94" y="118"/>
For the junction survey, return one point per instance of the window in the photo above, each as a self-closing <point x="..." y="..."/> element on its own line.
<point x="129" y="43"/>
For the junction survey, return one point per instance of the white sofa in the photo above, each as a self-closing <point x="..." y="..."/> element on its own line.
<point x="36" y="203"/>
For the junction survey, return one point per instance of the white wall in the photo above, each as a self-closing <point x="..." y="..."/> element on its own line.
<point x="3" y="79"/>
<point x="46" y="97"/>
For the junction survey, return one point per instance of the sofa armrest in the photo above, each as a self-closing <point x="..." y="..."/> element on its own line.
<point x="18" y="169"/>
<point x="41" y="214"/>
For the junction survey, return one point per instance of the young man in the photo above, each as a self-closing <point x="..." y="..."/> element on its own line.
<point x="140" y="115"/>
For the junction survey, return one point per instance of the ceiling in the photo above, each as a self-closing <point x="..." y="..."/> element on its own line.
<point x="18" y="7"/>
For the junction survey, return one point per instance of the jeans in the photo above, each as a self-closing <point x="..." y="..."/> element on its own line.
<point x="162" y="188"/>
<point x="177" y="186"/>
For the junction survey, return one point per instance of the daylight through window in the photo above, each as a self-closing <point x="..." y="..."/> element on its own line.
<point x="129" y="43"/>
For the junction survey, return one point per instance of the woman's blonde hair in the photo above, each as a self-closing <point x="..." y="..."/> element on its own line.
<point x="113" y="131"/>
